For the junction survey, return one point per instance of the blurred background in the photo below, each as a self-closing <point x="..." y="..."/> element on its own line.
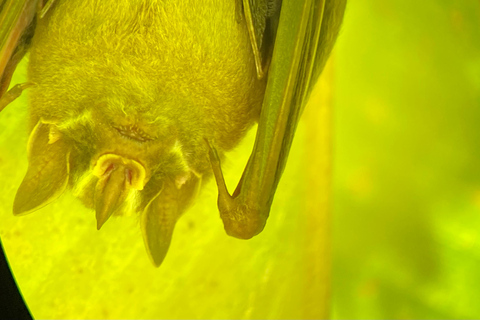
<point x="404" y="87"/>
<point x="407" y="153"/>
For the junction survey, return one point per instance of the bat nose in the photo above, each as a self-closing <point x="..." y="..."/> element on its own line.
<point x="135" y="174"/>
<point x="117" y="176"/>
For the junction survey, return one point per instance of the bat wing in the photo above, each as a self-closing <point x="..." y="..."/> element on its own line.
<point x="261" y="17"/>
<point x="306" y="32"/>
<point x="17" y="25"/>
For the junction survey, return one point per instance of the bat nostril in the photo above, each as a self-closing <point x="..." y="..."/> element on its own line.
<point x="104" y="168"/>
<point x="109" y="169"/>
<point x="128" y="176"/>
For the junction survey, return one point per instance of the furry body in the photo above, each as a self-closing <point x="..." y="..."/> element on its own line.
<point x="132" y="98"/>
<point x="174" y="72"/>
<point x="126" y="95"/>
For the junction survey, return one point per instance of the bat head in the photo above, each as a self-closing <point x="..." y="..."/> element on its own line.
<point x="116" y="159"/>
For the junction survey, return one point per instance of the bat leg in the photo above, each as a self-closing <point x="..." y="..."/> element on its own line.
<point x="13" y="94"/>
<point x="241" y="217"/>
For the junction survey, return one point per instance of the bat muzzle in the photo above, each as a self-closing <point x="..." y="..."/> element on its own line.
<point x="117" y="177"/>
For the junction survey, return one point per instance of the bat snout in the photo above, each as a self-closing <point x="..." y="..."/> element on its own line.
<point x="117" y="176"/>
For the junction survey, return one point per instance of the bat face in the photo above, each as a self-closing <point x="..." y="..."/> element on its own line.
<point x="125" y="95"/>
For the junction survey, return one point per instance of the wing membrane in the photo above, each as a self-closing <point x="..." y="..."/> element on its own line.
<point x="306" y="32"/>
<point x="16" y="29"/>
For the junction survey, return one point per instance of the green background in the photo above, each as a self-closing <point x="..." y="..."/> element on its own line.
<point x="406" y="199"/>
<point x="407" y="155"/>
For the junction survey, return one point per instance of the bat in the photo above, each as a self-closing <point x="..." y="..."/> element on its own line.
<point x="134" y="103"/>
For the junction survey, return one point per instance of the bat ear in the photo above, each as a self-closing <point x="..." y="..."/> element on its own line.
<point x="161" y="214"/>
<point x="48" y="170"/>
<point x="158" y="221"/>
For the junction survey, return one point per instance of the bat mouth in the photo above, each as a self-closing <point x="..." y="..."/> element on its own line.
<point x="133" y="132"/>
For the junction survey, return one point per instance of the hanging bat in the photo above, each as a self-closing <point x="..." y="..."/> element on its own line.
<point x="134" y="103"/>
